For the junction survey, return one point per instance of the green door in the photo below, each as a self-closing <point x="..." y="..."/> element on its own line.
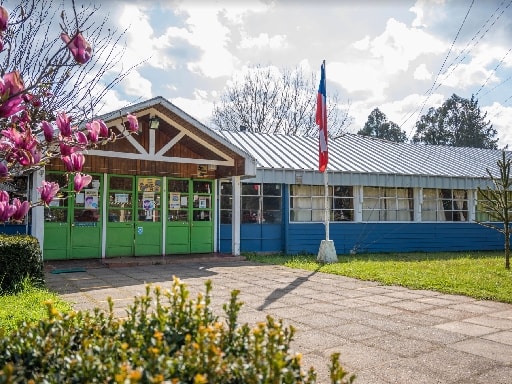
<point x="148" y="224"/>
<point x="120" y="226"/>
<point x="201" y="233"/>
<point x="189" y="227"/>
<point x="177" y="235"/>
<point x="56" y="221"/>
<point x="72" y="228"/>
<point x="85" y="238"/>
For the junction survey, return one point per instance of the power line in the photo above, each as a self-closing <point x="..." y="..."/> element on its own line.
<point x="429" y="92"/>
<point x="493" y="72"/>
<point x="466" y="51"/>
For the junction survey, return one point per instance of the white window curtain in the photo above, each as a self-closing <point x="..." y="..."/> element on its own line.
<point x="308" y="203"/>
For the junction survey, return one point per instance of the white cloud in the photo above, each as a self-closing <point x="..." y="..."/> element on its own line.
<point x="199" y="107"/>
<point x="362" y="44"/>
<point x="479" y="69"/>
<point x="141" y="43"/>
<point x="422" y="73"/>
<point x="205" y="31"/>
<point x="398" y="45"/>
<point x="425" y="11"/>
<point x="501" y="119"/>
<point x="263" y="41"/>
<point x="111" y="102"/>
<point x="136" y="85"/>
<point x="466" y="75"/>
<point x="359" y="75"/>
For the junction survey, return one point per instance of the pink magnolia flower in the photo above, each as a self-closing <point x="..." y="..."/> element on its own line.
<point x="21" y="209"/>
<point x="81" y="181"/>
<point x="35" y="101"/>
<point x="4" y="19"/>
<point x="4" y="197"/>
<point x="133" y="125"/>
<point x="93" y="128"/>
<point x="64" y="124"/>
<point x="26" y="157"/>
<point x="48" y="190"/>
<point x="81" y="138"/>
<point x="66" y="148"/>
<point x="79" y="47"/>
<point x="6" y="210"/>
<point x="11" y="86"/>
<point x="47" y="130"/>
<point x="74" y="162"/>
<point x="103" y="129"/>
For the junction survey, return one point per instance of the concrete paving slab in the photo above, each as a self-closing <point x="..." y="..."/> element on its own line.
<point x="385" y="334"/>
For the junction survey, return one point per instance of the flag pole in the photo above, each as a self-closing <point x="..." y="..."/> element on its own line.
<point x="327" y="252"/>
<point x="326" y="204"/>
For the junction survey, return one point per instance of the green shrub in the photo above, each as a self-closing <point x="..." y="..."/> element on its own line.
<point x="20" y="259"/>
<point x="166" y="337"/>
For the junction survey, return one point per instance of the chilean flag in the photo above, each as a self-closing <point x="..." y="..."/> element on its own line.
<point x="321" y="121"/>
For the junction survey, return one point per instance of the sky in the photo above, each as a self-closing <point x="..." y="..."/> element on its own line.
<point x="401" y="56"/>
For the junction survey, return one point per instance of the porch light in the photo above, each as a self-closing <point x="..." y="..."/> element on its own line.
<point x="154" y="122"/>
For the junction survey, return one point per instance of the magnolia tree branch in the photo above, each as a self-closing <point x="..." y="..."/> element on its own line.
<point x="52" y="79"/>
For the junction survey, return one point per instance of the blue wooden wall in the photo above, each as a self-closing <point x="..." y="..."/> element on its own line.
<point x="394" y="237"/>
<point x="14" y="229"/>
<point x="366" y="237"/>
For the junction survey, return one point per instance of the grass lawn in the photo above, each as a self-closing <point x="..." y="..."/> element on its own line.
<point x="481" y="275"/>
<point x="27" y="305"/>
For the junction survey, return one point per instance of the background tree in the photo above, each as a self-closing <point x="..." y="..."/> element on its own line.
<point x="271" y="101"/>
<point x="498" y="202"/>
<point x="379" y="126"/>
<point x="457" y="123"/>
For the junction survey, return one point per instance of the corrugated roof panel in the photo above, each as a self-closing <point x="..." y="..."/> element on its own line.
<point x="359" y="154"/>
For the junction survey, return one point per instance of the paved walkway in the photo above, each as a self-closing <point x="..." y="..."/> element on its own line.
<point x="385" y="334"/>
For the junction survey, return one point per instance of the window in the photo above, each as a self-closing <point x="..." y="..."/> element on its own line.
<point x="202" y="200"/>
<point x="444" y="205"/>
<point x="87" y="202"/>
<point x="388" y="204"/>
<point x="483" y="213"/>
<point x="343" y="204"/>
<point x="307" y="203"/>
<point x="57" y="210"/>
<point x="120" y="199"/>
<point x="178" y="200"/>
<point x="226" y="202"/>
<point x="260" y="203"/>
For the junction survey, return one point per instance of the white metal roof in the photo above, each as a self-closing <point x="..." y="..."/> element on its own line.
<point x="352" y="153"/>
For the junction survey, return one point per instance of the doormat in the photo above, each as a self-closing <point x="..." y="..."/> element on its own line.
<point x="68" y="270"/>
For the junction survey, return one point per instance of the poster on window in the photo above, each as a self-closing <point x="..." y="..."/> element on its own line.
<point x="149" y="184"/>
<point x="174" y="201"/>
<point x="121" y="198"/>
<point x="148" y="201"/>
<point x="91" y="199"/>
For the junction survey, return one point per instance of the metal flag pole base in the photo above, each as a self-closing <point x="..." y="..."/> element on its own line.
<point x="327" y="252"/>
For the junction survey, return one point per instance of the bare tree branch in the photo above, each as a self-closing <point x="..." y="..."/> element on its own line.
<point x="269" y="101"/>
